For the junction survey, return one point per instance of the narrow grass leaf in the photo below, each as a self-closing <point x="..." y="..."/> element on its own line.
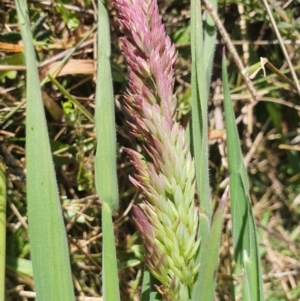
<point x="105" y="161"/>
<point x="19" y="265"/>
<point x="210" y="36"/>
<point x="210" y="257"/>
<point x="73" y="100"/>
<point x="243" y="224"/>
<point x="110" y="283"/>
<point x="2" y="230"/>
<point x="198" y="126"/>
<point x="106" y="177"/>
<point x="199" y="109"/>
<point x="199" y="137"/>
<point x="149" y="293"/>
<point x="48" y="242"/>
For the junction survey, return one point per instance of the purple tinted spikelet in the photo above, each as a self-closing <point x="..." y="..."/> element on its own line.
<point x="168" y="218"/>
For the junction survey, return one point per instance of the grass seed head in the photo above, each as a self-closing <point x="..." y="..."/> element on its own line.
<point x="167" y="220"/>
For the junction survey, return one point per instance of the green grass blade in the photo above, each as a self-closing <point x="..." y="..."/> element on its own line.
<point x="199" y="130"/>
<point x="210" y="36"/>
<point x="243" y="224"/>
<point x="19" y="265"/>
<point x="106" y="177"/>
<point x="199" y="112"/>
<point x="73" y="100"/>
<point x="48" y="242"/>
<point x="149" y="293"/>
<point x="210" y="258"/>
<point x="2" y="230"/>
<point x="110" y="283"/>
<point x="105" y="161"/>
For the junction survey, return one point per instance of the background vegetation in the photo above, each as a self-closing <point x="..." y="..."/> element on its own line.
<point x="269" y="132"/>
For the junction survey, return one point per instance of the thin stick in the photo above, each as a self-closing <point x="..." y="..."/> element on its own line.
<point x="280" y="74"/>
<point x="231" y="48"/>
<point x="286" y="55"/>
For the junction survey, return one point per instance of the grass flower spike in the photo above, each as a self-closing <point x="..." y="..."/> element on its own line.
<point x="168" y="218"/>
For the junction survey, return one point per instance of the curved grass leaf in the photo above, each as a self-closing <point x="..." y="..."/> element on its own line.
<point x="243" y="223"/>
<point x="198" y="127"/>
<point x="72" y="99"/>
<point x="209" y="257"/>
<point x="199" y="110"/>
<point x="210" y="36"/>
<point x="19" y="265"/>
<point x="105" y="161"/>
<point x="48" y="242"/>
<point x="149" y="293"/>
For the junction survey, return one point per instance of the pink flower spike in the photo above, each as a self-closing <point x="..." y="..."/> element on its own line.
<point x="168" y="216"/>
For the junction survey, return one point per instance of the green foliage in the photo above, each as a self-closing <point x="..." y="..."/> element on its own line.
<point x="182" y="35"/>
<point x="149" y="293"/>
<point x="19" y="265"/>
<point x="68" y="16"/>
<point x="205" y="288"/>
<point x="48" y="243"/>
<point x="105" y="160"/>
<point x="243" y="223"/>
<point x="201" y="71"/>
<point x="14" y="59"/>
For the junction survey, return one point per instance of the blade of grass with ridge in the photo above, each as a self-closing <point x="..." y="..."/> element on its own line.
<point x="105" y="160"/>
<point x="198" y="128"/>
<point x="243" y="223"/>
<point x="2" y="230"/>
<point x="149" y="293"/>
<point x="19" y="265"/>
<point x="199" y="131"/>
<point x="210" y="36"/>
<point x="209" y="259"/>
<point x="48" y="242"/>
